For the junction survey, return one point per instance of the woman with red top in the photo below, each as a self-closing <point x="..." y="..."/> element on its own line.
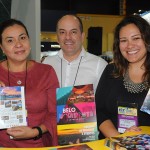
<point x="40" y="83"/>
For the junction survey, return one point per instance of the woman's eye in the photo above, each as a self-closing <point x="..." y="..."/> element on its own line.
<point x="136" y="38"/>
<point x="23" y="37"/>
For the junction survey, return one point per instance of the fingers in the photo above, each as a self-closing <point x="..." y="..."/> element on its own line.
<point x="2" y="84"/>
<point x="13" y="132"/>
<point x="77" y="142"/>
<point x="133" y="128"/>
<point x="21" y="132"/>
<point x="70" y="143"/>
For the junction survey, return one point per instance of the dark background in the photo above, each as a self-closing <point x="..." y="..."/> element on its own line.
<point x="107" y="7"/>
<point x="52" y="10"/>
<point x="5" y="9"/>
<point x="57" y="8"/>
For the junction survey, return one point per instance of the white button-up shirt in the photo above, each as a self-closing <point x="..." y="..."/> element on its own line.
<point x="86" y="69"/>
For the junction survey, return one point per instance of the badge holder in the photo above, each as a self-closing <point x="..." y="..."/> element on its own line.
<point x="127" y="116"/>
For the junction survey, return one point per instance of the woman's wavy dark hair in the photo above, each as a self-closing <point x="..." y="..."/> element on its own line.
<point x="10" y="22"/>
<point x="121" y="63"/>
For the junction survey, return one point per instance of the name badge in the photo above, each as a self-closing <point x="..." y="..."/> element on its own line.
<point x="127" y="116"/>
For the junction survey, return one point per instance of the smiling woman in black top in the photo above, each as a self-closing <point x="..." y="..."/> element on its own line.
<point x="127" y="79"/>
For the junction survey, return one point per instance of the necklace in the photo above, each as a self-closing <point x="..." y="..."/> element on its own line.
<point x="76" y="72"/>
<point x="19" y="82"/>
<point x="134" y="87"/>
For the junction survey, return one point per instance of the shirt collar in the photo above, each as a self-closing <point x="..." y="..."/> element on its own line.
<point x="82" y="54"/>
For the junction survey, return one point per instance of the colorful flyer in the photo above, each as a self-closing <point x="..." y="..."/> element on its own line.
<point x="12" y="106"/>
<point x="127" y="116"/>
<point x="76" y="114"/>
<point x="146" y="104"/>
<point x="132" y="142"/>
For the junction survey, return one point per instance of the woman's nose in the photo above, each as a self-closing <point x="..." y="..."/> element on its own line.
<point x="18" y="43"/>
<point x="130" y="43"/>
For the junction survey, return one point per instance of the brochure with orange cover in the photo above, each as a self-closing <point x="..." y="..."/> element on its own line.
<point x="76" y="115"/>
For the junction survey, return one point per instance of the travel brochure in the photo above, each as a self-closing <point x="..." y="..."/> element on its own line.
<point x="134" y="142"/>
<point x="127" y="116"/>
<point x="76" y="115"/>
<point x="146" y="104"/>
<point x="12" y="106"/>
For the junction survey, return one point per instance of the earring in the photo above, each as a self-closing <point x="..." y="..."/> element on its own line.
<point x="3" y="53"/>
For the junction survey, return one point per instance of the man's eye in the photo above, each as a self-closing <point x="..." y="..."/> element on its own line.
<point x="10" y="41"/>
<point x="74" y="32"/>
<point x="62" y="32"/>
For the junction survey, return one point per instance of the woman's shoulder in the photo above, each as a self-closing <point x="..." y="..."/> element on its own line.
<point x="3" y="65"/>
<point x="110" y="67"/>
<point x="39" y="66"/>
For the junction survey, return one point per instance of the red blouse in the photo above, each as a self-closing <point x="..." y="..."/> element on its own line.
<point x="40" y="100"/>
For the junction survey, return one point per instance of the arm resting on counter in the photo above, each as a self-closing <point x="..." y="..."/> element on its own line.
<point x="108" y="129"/>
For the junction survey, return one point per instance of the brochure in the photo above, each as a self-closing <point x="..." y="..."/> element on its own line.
<point x="76" y="115"/>
<point x="146" y="104"/>
<point x="135" y="142"/>
<point x="127" y="116"/>
<point x="12" y="106"/>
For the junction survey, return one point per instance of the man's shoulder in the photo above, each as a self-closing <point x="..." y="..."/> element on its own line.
<point x="95" y="58"/>
<point x="50" y="59"/>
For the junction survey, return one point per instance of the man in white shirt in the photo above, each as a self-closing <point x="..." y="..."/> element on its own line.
<point x="74" y="65"/>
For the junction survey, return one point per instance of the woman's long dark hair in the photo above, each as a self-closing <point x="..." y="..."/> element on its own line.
<point x="121" y="63"/>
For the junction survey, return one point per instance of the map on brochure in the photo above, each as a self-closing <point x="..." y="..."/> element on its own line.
<point x="76" y="115"/>
<point x="12" y="106"/>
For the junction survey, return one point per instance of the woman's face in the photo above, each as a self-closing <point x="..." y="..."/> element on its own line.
<point x="132" y="46"/>
<point x="15" y="43"/>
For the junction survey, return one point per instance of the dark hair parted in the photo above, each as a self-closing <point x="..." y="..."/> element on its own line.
<point x="73" y="15"/>
<point x="10" y="22"/>
<point x="120" y="62"/>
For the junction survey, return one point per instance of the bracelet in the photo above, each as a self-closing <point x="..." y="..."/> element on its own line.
<point x="40" y="133"/>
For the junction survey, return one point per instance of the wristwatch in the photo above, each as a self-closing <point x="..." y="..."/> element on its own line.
<point x="40" y="132"/>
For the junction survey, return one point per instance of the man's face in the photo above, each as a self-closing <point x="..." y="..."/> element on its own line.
<point x="69" y="35"/>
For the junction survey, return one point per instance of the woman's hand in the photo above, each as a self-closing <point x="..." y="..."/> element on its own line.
<point x="133" y="129"/>
<point x="22" y="132"/>
<point x="76" y="142"/>
<point x="2" y="84"/>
